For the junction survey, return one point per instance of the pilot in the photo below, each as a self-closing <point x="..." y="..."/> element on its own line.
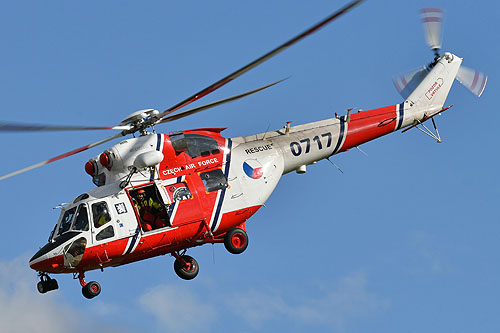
<point x="150" y="211"/>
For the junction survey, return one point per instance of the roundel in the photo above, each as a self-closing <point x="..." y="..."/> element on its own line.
<point x="253" y="168"/>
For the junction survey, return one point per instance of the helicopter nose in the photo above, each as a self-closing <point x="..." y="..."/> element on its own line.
<point x="50" y="257"/>
<point x="45" y="261"/>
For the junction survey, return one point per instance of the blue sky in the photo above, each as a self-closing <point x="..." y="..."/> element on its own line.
<point x="406" y="240"/>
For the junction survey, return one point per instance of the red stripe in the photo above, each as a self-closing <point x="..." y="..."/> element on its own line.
<point x="432" y="10"/>
<point x="368" y="125"/>
<point x="474" y="82"/>
<point x="76" y="151"/>
<point x="397" y="85"/>
<point x="431" y="19"/>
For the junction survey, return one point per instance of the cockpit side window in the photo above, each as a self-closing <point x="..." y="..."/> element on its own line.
<point x="100" y="214"/>
<point x="66" y="220"/>
<point x="82" y="219"/>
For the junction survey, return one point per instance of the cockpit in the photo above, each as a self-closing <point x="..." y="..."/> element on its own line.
<point x="76" y="218"/>
<point x="72" y="229"/>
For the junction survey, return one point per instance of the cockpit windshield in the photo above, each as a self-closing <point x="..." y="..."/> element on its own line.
<point x="66" y="220"/>
<point x="82" y="219"/>
<point x="73" y="219"/>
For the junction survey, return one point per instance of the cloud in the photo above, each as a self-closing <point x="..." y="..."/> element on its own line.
<point x="257" y="307"/>
<point x="337" y="305"/>
<point x="23" y="309"/>
<point x="177" y="309"/>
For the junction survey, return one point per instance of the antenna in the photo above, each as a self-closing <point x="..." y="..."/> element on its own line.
<point x="335" y="165"/>
<point x="267" y="129"/>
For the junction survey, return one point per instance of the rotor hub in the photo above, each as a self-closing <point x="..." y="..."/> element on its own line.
<point x="138" y="117"/>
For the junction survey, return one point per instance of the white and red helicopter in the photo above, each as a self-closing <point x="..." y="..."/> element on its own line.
<point x="201" y="187"/>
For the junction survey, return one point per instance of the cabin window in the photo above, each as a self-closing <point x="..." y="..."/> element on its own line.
<point x="82" y="219"/>
<point x="201" y="145"/>
<point x="178" y="142"/>
<point x="100" y="214"/>
<point x="195" y="145"/>
<point x="214" y="180"/>
<point x="107" y="232"/>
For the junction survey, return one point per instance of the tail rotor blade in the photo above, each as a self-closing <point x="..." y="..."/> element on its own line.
<point x="473" y="80"/>
<point x="432" y="19"/>
<point x="406" y="83"/>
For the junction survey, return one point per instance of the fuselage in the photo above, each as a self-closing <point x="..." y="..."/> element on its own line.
<point x="204" y="184"/>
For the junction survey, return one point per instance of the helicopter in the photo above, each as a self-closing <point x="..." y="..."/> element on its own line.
<point x="204" y="186"/>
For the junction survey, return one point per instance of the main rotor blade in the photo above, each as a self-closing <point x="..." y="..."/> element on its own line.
<point x="214" y="104"/>
<point x="70" y="153"/>
<point x="258" y="61"/>
<point x="432" y="19"/>
<point x="473" y="80"/>
<point x="20" y="127"/>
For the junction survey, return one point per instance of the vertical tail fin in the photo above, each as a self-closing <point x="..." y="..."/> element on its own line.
<point x="431" y="93"/>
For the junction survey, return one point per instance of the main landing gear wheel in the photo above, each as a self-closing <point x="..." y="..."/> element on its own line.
<point x="91" y="289"/>
<point x="188" y="269"/>
<point x="236" y="240"/>
<point x="46" y="284"/>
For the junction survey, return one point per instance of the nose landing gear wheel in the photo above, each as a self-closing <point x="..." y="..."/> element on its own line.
<point x="188" y="269"/>
<point x="236" y="241"/>
<point x="91" y="289"/>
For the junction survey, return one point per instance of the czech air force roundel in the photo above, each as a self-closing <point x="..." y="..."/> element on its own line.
<point x="253" y="168"/>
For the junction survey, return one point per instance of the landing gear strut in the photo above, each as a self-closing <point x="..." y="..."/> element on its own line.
<point x="46" y="283"/>
<point x="89" y="289"/>
<point x="186" y="267"/>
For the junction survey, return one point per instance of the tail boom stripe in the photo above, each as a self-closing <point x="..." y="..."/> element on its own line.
<point x="400" y="115"/>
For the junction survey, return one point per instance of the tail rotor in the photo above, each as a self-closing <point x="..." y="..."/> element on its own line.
<point x="432" y="19"/>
